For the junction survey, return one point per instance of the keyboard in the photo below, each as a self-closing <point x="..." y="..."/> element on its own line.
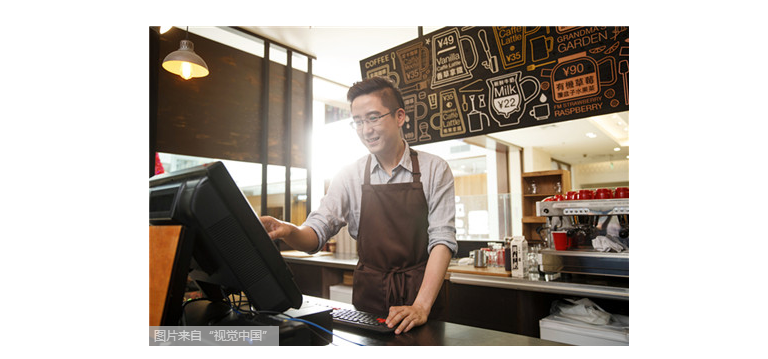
<point x="358" y="319"/>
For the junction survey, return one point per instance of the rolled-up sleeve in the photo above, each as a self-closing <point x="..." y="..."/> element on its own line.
<point x="330" y="216"/>
<point x="442" y="208"/>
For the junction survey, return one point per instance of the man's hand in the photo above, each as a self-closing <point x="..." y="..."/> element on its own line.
<point x="409" y="316"/>
<point x="275" y="227"/>
<point x="299" y="238"/>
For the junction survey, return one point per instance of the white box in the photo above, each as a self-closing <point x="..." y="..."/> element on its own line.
<point x="341" y="293"/>
<point x="563" y="330"/>
<point x="518" y="251"/>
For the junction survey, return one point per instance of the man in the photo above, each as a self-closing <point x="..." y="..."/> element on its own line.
<point x="399" y="205"/>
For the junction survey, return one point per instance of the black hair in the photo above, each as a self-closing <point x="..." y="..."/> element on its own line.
<point x="389" y="94"/>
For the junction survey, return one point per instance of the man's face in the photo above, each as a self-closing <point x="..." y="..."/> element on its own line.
<point x="384" y="136"/>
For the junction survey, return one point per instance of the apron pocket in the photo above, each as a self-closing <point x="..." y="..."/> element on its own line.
<point x="368" y="291"/>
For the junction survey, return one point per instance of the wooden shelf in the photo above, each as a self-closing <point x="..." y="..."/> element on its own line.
<point x="546" y="186"/>
<point x="534" y="220"/>
<point x="543" y="195"/>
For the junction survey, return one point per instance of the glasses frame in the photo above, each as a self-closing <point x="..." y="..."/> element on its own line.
<point x="371" y="121"/>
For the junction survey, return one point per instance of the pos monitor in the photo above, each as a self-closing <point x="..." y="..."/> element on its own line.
<point x="227" y="248"/>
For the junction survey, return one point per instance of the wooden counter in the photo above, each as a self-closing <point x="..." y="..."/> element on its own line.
<point x="468" y="269"/>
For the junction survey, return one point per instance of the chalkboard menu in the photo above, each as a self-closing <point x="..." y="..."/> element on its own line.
<point x="467" y="81"/>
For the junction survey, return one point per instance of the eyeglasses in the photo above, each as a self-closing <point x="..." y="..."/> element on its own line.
<point x="371" y="121"/>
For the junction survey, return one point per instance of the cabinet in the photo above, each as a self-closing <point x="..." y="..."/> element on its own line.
<point x="536" y="187"/>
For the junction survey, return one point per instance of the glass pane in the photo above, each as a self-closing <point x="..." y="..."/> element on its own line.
<point x="246" y="175"/>
<point x="276" y="193"/>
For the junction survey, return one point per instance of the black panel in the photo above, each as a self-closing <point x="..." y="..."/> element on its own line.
<point x="467" y="81"/>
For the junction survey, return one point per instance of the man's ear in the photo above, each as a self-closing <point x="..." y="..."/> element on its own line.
<point x="401" y="116"/>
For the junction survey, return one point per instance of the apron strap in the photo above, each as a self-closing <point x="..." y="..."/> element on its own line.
<point x="414" y="163"/>
<point x="394" y="282"/>
<point x="367" y="174"/>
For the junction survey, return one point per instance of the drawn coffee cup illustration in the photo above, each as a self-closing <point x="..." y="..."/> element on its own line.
<point x="512" y="45"/>
<point x="541" y="47"/>
<point x="415" y="111"/>
<point x="477" y="121"/>
<point x="509" y="93"/>
<point x="578" y="76"/>
<point x="414" y="63"/>
<point x="384" y="71"/>
<point x="449" y="62"/>
<point x="450" y="121"/>
<point x="540" y="112"/>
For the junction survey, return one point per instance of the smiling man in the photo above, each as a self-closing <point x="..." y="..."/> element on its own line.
<point x="399" y="206"/>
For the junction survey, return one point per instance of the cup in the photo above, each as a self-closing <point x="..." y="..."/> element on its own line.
<point x="558" y="197"/>
<point x="481" y="259"/>
<point x="412" y="107"/>
<point x="509" y="95"/>
<point x="621" y="192"/>
<point x="586" y="194"/>
<point x="541" y="47"/>
<point x="603" y="193"/>
<point x="561" y="240"/>
<point x="449" y="60"/>
<point x="450" y="120"/>
<point x="570" y="196"/>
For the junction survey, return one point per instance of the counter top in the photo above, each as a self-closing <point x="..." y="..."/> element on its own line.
<point x="325" y="259"/>
<point x="487" y="271"/>
<point x="432" y="333"/>
<point x="541" y="285"/>
<point x="488" y="277"/>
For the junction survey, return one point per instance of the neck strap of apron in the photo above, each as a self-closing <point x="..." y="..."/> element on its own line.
<point x="414" y="164"/>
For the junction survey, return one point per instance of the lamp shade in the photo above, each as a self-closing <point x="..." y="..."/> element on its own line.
<point x="185" y="62"/>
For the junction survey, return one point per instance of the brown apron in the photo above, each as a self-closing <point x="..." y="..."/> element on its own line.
<point x="391" y="243"/>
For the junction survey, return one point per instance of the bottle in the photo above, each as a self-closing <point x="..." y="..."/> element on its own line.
<point x="507" y="258"/>
<point x="532" y="187"/>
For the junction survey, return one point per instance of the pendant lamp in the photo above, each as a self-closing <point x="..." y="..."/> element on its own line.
<point x="185" y="62"/>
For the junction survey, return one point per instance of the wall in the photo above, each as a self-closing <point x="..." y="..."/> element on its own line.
<point x="609" y="173"/>
<point x="515" y="189"/>
<point x="536" y="160"/>
<point x="590" y="175"/>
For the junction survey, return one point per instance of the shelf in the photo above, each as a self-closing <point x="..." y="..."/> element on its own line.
<point x="542" y="194"/>
<point x="545" y="173"/>
<point x="547" y="184"/>
<point x="534" y="220"/>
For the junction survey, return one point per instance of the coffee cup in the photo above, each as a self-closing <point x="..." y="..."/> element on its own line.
<point x="480" y="258"/>
<point x="561" y="240"/>
<point x="621" y="192"/>
<point x="570" y="196"/>
<point x="586" y="194"/>
<point x="603" y="193"/>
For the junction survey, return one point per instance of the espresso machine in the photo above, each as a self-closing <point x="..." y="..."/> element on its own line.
<point x="597" y="233"/>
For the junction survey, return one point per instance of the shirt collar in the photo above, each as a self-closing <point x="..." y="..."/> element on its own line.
<point x="405" y="161"/>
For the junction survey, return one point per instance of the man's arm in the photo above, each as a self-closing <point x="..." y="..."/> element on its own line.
<point x="300" y="238"/>
<point x="410" y="316"/>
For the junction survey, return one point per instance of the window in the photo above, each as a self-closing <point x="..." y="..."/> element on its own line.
<point x="247" y="176"/>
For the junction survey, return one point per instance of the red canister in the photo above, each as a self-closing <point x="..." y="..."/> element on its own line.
<point x="621" y="192"/>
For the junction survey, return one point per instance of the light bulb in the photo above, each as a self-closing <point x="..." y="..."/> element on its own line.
<point x="186" y="70"/>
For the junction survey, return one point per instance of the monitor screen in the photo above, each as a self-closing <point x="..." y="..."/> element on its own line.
<point x="231" y="251"/>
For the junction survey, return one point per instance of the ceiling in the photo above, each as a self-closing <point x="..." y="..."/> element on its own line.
<point x="338" y="51"/>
